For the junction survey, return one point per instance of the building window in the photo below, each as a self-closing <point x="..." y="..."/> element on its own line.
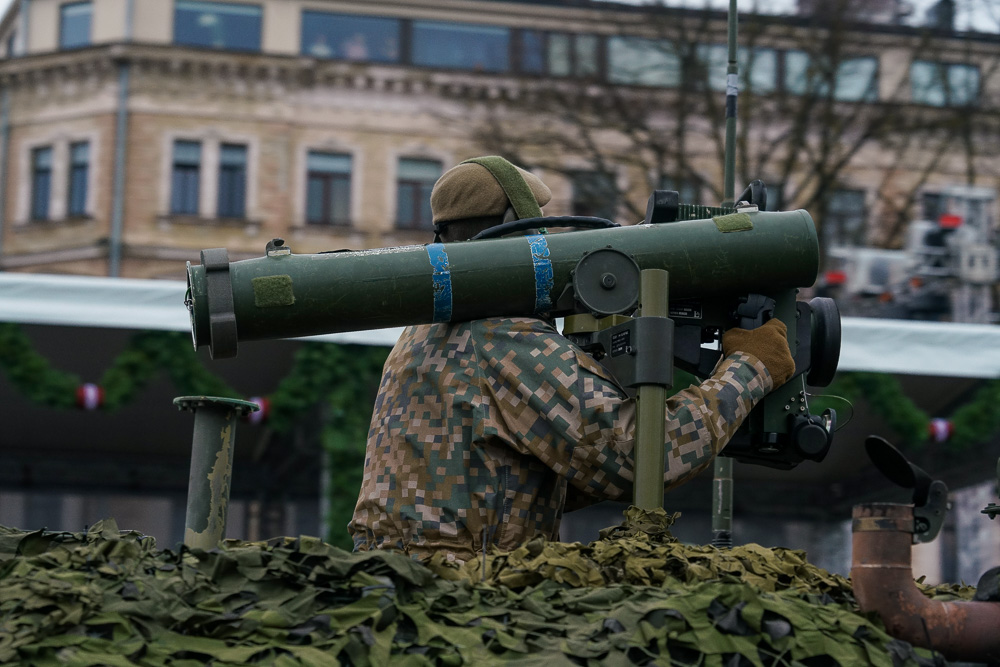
<point x="642" y="61"/>
<point x="761" y="69"/>
<point x="41" y="182"/>
<point x="532" y="59"/>
<point x="944" y="85"/>
<point x="688" y="189"/>
<point x="576" y="54"/>
<point x="844" y="222"/>
<point x="461" y="46"/>
<point x="11" y="44"/>
<point x="217" y="25"/>
<point x="775" y="196"/>
<point x="184" y="185"/>
<point x="573" y="55"/>
<point x="74" y="25"/>
<point x="232" y="181"/>
<point x="328" y="189"/>
<point x="414" y="182"/>
<point x="79" y="164"/>
<point x="567" y="54"/>
<point x="594" y="194"/>
<point x="800" y="77"/>
<point x="371" y="39"/>
<point x="758" y="68"/>
<point x="855" y="79"/>
<point x="560" y="54"/>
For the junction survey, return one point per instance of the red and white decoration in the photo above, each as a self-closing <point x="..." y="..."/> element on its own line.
<point x="260" y="416"/>
<point x="89" y="396"/>
<point x="941" y="430"/>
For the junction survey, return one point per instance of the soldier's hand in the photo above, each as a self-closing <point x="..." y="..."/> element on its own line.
<point x="768" y="343"/>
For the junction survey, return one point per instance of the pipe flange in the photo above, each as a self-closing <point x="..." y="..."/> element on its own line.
<point x="880" y="517"/>
<point x="872" y="524"/>
<point x="219" y="403"/>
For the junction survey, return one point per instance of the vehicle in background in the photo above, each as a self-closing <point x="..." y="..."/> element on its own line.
<point x="947" y="270"/>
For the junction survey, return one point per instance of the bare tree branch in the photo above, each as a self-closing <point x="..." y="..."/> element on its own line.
<point x="826" y="114"/>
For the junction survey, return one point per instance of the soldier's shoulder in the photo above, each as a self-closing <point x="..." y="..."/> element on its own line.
<point x="513" y="326"/>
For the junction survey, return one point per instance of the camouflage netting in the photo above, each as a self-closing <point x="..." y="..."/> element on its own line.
<point x="636" y="596"/>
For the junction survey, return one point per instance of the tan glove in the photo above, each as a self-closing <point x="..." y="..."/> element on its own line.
<point x="768" y="343"/>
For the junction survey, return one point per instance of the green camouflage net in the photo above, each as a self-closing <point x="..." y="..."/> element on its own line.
<point x="636" y="596"/>
<point x="643" y="552"/>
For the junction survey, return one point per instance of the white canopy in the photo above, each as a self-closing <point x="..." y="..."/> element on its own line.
<point x="119" y="303"/>
<point x="886" y="346"/>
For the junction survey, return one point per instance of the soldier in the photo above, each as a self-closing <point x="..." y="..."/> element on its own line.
<point x="484" y="432"/>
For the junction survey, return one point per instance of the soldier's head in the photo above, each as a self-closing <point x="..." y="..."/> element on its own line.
<point x="481" y="193"/>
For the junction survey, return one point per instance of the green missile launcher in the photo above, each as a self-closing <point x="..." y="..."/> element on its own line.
<point x="732" y="267"/>
<point x="285" y="295"/>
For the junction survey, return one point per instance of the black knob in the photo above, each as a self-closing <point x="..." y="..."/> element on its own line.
<point x="810" y="438"/>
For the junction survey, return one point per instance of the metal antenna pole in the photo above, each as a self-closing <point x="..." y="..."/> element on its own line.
<point x="722" y="484"/>
<point x="732" y="90"/>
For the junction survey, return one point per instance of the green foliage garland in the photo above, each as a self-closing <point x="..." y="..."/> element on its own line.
<point x="341" y="378"/>
<point x="146" y="353"/>
<point x="885" y="396"/>
<point x="318" y="368"/>
<point x="345" y="432"/>
<point x="973" y="423"/>
<point x="31" y="373"/>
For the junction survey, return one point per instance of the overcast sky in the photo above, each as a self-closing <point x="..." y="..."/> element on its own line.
<point x="982" y="15"/>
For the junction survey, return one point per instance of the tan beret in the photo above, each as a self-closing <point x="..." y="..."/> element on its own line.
<point x="469" y="190"/>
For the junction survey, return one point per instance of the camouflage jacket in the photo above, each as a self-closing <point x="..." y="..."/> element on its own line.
<point x="485" y="429"/>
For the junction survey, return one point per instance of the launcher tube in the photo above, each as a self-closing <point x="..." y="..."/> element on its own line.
<point x="288" y="295"/>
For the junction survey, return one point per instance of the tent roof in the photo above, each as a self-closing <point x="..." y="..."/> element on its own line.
<point x="120" y="303"/>
<point x="887" y="346"/>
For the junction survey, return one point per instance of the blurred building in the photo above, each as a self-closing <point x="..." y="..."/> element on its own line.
<point x="135" y="132"/>
<point x="868" y="11"/>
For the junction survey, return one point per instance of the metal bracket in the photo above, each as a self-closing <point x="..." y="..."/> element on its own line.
<point x="754" y="310"/>
<point x="930" y="497"/>
<point x="992" y="510"/>
<point x="221" y="310"/>
<point x="276" y="247"/>
<point x="638" y="351"/>
<point x="928" y="518"/>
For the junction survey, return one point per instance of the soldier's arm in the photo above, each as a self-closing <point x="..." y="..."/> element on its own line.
<point x="559" y="405"/>
<point x="700" y="421"/>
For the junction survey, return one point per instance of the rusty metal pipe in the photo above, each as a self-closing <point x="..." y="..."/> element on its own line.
<point x="882" y="573"/>
<point x="212" y="451"/>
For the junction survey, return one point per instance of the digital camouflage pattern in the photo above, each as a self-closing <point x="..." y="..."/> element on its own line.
<point x="492" y="427"/>
<point x="110" y="597"/>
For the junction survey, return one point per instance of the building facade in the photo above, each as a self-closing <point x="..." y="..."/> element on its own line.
<point x="135" y="132"/>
